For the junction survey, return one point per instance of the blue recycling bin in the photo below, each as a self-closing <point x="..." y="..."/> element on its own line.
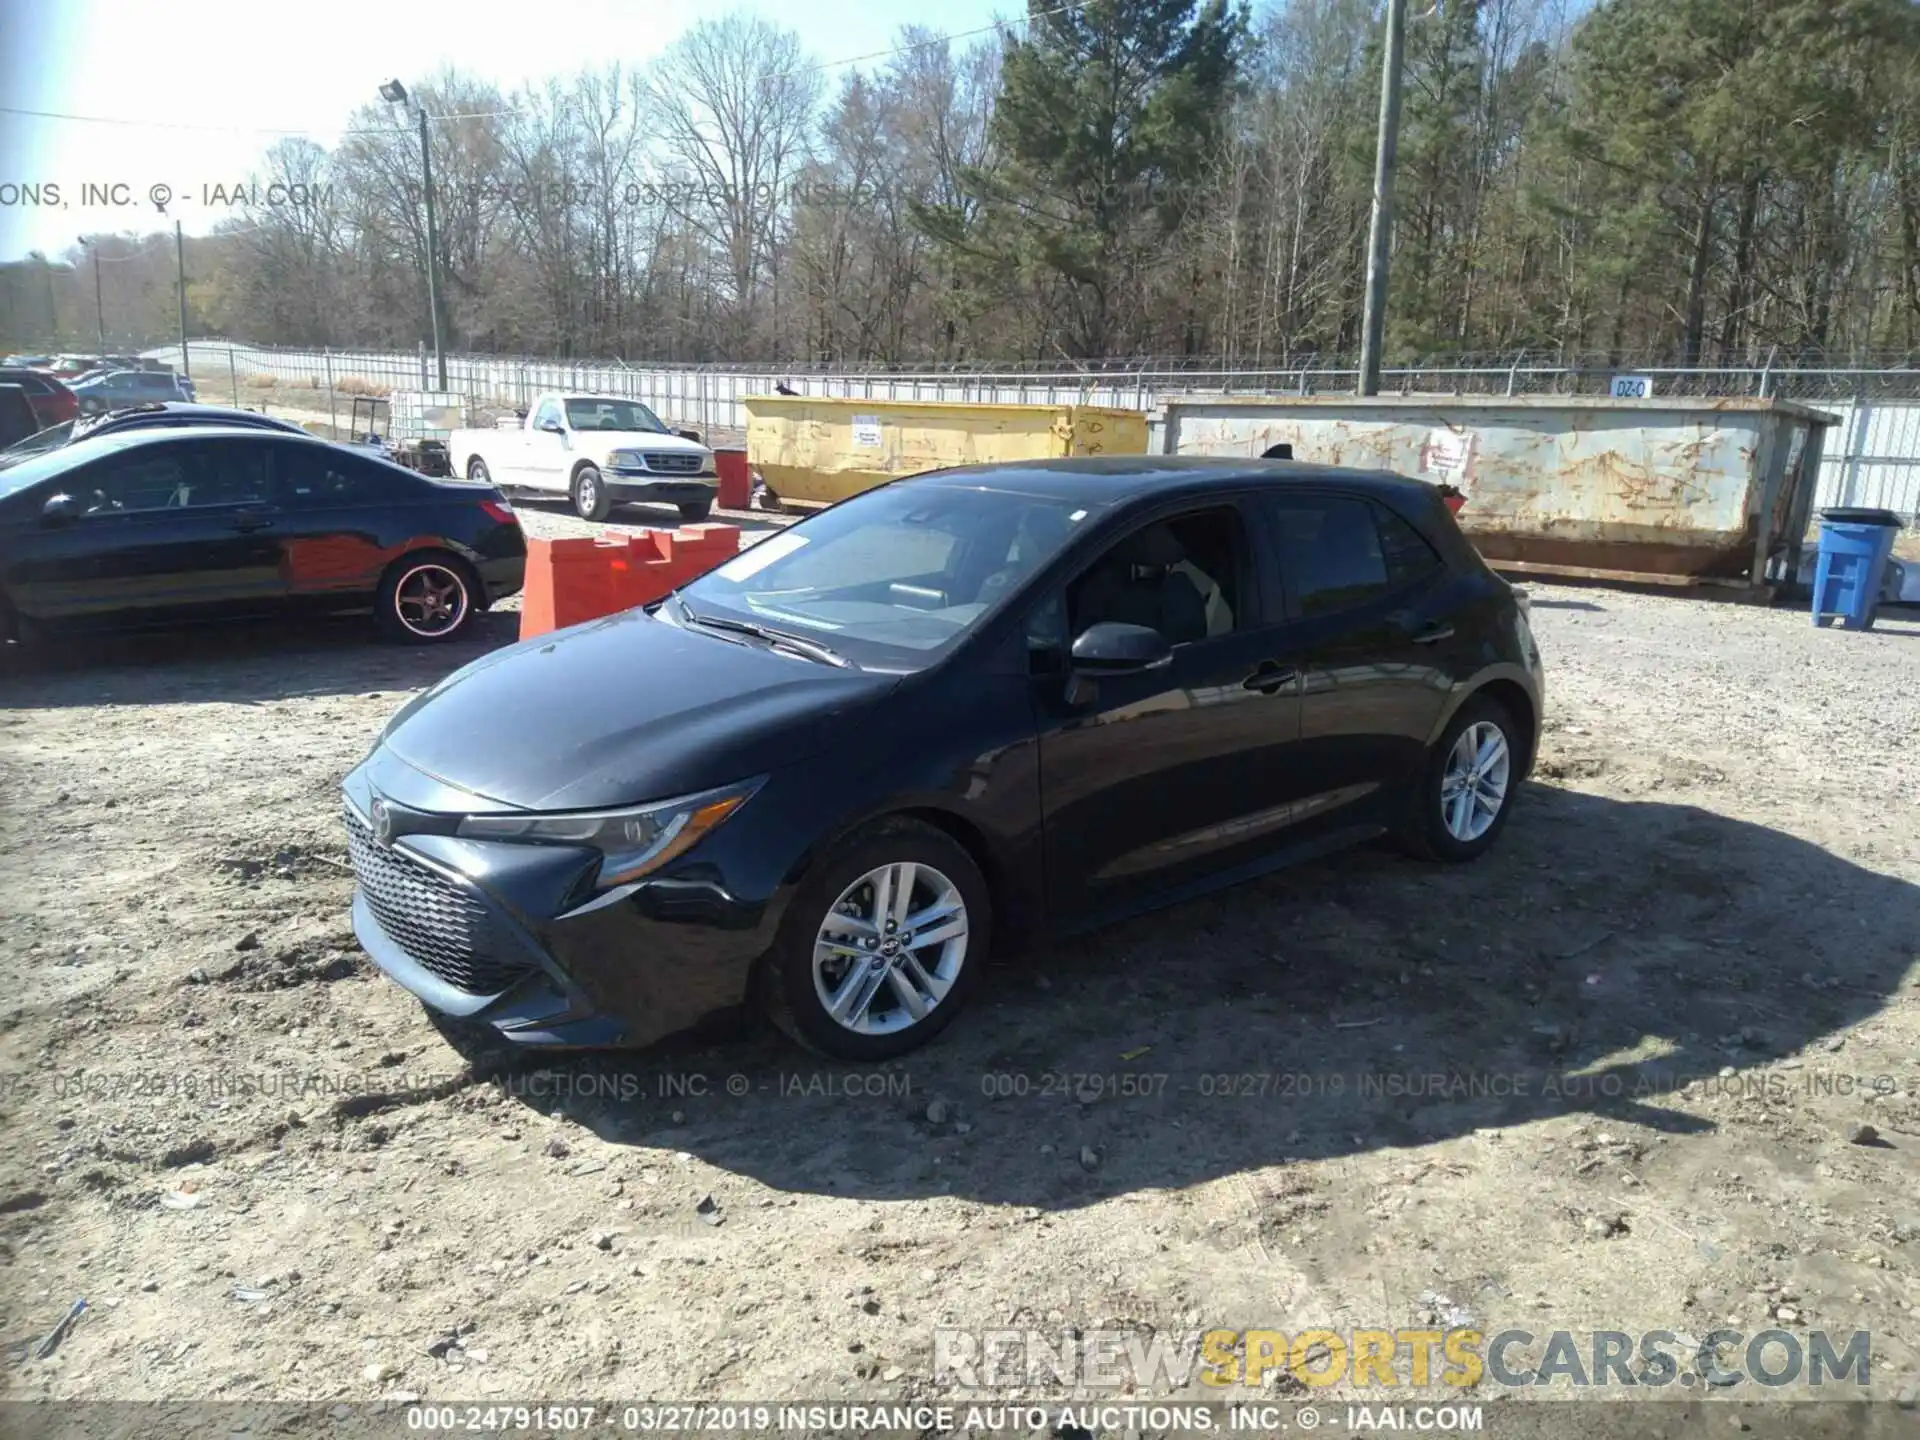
<point x="1854" y="548"/>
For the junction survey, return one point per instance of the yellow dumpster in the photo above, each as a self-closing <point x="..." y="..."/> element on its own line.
<point x="821" y="451"/>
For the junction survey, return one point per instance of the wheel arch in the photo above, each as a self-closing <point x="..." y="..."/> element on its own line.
<point x="1512" y="688"/>
<point x="1016" y="913"/>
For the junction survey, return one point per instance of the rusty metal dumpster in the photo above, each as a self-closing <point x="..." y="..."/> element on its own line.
<point x="821" y="450"/>
<point x="1676" y="490"/>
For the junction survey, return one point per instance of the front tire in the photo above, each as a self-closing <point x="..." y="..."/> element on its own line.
<point x="591" y="498"/>
<point x="697" y="511"/>
<point x="882" y="945"/>
<point x="1462" y="800"/>
<point x="427" y="598"/>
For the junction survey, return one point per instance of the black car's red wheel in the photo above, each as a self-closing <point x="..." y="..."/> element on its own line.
<point x="427" y="598"/>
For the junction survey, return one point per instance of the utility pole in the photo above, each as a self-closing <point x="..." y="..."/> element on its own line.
<point x="99" y="310"/>
<point x="1380" y="234"/>
<point x="180" y="270"/>
<point x="433" y="251"/>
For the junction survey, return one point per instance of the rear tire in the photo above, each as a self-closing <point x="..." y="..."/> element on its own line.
<point x="427" y="598"/>
<point x="803" y="976"/>
<point x="477" y="471"/>
<point x="1463" y="797"/>
<point x="591" y="498"/>
<point x="693" y="514"/>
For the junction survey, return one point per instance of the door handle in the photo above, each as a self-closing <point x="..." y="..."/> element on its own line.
<point x="1432" y="634"/>
<point x="247" y="523"/>
<point x="1270" y="678"/>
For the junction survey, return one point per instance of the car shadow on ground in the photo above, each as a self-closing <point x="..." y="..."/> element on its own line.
<point x="1608" y="953"/>
<point x="248" y="662"/>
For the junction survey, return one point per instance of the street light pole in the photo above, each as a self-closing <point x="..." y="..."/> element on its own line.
<point x="394" y="93"/>
<point x="433" y="252"/>
<point x="1380" y="234"/>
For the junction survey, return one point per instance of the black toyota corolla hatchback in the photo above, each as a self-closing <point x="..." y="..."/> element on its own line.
<point x="976" y="705"/>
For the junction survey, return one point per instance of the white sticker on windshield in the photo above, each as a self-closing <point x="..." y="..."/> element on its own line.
<point x="756" y="558"/>
<point x="866" y="432"/>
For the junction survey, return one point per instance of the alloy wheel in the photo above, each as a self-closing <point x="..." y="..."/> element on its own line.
<point x="1474" y="786"/>
<point x="430" y="600"/>
<point x="890" y="949"/>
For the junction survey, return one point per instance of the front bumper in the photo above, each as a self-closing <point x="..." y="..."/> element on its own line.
<point x="641" y="485"/>
<point x="512" y="935"/>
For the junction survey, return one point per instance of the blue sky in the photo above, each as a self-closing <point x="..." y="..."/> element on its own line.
<point x="207" y="84"/>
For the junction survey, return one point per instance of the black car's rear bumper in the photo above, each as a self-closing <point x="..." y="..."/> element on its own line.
<point x="512" y="936"/>
<point x="503" y="576"/>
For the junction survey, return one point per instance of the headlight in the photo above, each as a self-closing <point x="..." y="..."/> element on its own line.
<point x="631" y="842"/>
<point x="626" y="460"/>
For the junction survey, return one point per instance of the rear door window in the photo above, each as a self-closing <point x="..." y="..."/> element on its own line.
<point x="1330" y="552"/>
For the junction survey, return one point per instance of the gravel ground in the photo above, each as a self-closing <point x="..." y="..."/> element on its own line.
<point x="1650" y="1065"/>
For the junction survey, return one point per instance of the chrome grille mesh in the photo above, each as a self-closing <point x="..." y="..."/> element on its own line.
<point x="674" y="462"/>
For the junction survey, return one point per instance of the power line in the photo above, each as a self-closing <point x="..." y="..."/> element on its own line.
<point x="143" y="124"/>
<point x="995" y="27"/>
<point x="173" y="125"/>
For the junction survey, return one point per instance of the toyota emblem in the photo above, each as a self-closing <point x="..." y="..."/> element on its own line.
<point x="382" y="821"/>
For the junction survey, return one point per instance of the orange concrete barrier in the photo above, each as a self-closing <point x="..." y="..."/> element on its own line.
<point x="571" y="581"/>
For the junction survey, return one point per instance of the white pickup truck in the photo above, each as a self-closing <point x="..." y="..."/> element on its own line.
<point x="599" y="450"/>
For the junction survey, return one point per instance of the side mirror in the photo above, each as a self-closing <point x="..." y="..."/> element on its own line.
<point x="59" y="509"/>
<point x="553" y="427"/>
<point x="1110" y="648"/>
<point x="693" y="435"/>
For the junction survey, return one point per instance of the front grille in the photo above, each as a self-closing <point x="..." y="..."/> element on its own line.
<point x="674" y="462"/>
<point x="438" y="924"/>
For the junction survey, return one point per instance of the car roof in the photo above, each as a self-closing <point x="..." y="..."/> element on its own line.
<point x="1113" y="478"/>
<point x="176" y="413"/>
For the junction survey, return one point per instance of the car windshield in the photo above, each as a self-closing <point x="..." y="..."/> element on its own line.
<point x="611" y="415"/>
<point x="893" y="576"/>
<point x="38" y="443"/>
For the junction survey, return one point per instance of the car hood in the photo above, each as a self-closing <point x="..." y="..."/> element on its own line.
<point x="624" y="710"/>
<point x="637" y="440"/>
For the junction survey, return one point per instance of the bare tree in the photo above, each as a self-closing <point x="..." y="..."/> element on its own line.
<point x="734" y="101"/>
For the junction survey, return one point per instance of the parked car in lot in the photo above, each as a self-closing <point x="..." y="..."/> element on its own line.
<point x="155" y="414"/>
<point x="159" y="526"/>
<point x="598" y="451"/>
<point x="17" y="419"/>
<point x="51" y="400"/>
<point x="991" y="701"/>
<point x="119" y="388"/>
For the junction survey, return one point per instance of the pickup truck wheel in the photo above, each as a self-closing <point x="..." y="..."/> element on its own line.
<point x="591" y="498"/>
<point x="694" y="513"/>
<point x="477" y="470"/>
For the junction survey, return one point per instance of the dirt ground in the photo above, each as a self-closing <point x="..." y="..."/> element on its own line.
<point x="1649" y="1065"/>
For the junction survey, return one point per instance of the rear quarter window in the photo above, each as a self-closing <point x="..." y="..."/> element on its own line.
<point x="316" y="477"/>
<point x="1408" y="555"/>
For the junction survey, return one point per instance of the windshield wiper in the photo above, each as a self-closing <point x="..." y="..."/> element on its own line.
<point x="813" y="649"/>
